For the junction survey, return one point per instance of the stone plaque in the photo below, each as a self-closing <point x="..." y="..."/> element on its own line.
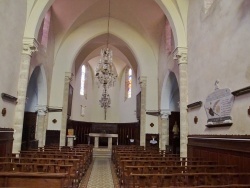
<point x="218" y="107"/>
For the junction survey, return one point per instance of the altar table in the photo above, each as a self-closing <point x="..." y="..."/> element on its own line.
<point x="98" y="135"/>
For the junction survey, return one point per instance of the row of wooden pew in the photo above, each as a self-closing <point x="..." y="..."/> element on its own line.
<point x="137" y="167"/>
<point x="57" y="167"/>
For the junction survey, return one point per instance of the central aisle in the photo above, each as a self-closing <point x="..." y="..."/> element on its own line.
<point x="101" y="176"/>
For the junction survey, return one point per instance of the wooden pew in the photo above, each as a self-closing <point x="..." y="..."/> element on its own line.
<point x="33" y="180"/>
<point x="73" y="167"/>
<point x="184" y="179"/>
<point x="72" y="162"/>
<point x="52" y="165"/>
<point x="175" y="169"/>
<point x="123" y="163"/>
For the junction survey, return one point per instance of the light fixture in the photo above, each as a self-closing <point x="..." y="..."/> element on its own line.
<point x="106" y="74"/>
<point x="105" y="102"/>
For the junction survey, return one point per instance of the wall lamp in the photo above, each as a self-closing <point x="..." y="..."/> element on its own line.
<point x="194" y="105"/>
<point x="8" y="97"/>
<point x="241" y="91"/>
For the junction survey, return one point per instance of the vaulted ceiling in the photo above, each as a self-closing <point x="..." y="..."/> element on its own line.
<point x="144" y="16"/>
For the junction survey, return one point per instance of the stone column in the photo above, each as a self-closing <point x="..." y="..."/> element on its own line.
<point x="96" y="144"/>
<point x="41" y="126"/>
<point x="180" y="55"/>
<point x="109" y="142"/>
<point x="143" y="83"/>
<point x="63" y="131"/>
<point x="164" y="129"/>
<point x="29" y="47"/>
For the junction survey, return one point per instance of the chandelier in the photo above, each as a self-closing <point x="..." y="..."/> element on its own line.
<point x="105" y="71"/>
<point x="106" y="74"/>
<point x="105" y="102"/>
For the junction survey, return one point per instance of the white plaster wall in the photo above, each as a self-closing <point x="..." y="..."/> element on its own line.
<point x="127" y="107"/>
<point x="218" y="48"/>
<point x="97" y="114"/>
<point x="163" y="69"/>
<point x="151" y="119"/>
<point x="44" y="58"/>
<point x="166" y="65"/>
<point x="143" y="53"/>
<point x="121" y="111"/>
<point x="12" y="23"/>
<point x="49" y="64"/>
<point x="79" y="100"/>
<point x="152" y="104"/>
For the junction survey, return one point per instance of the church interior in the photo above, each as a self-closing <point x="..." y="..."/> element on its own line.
<point x="125" y="93"/>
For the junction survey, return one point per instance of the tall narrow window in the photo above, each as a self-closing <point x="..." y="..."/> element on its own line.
<point x="128" y="86"/>
<point x="83" y="79"/>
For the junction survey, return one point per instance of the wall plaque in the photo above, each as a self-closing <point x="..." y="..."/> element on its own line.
<point x="218" y="107"/>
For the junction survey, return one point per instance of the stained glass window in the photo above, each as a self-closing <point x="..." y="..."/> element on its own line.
<point x="129" y="83"/>
<point x="128" y="86"/>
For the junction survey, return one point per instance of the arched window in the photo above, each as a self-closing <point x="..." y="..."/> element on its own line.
<point x="83" y="80"/>
<point x="128" y="84"/>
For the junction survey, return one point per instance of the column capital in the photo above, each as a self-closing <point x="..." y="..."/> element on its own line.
<point x="180" y="54"/>
<point x="41" y="110"/>
<point x="165" y="113"/>
<point x="142" y="81"/>
<point x="30" y="46"/>
<point x="68" y="76"/>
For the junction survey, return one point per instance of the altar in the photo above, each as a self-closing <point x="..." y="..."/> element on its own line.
<point x="98" y="135"/>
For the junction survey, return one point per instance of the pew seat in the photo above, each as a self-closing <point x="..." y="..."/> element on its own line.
<point x="34" y="180"/>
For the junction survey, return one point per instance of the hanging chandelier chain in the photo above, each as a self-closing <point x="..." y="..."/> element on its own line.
<point x="106" y="74"/>
<point x="108" y="22"/>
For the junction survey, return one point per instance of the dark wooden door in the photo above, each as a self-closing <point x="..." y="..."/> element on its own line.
<point x="174" y="140"/>
<point x="29" y="131"/>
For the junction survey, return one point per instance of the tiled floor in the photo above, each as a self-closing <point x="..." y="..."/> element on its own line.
<point x="100" y="175"/>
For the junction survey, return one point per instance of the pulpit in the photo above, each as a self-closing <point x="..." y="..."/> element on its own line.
<point x="98" y="135"/>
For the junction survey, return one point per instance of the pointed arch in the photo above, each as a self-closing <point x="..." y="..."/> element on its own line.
<point x="170" y="95"/>
<point x="177" y="17"/>
<point x="35" y="17"/>
<point x="37" y="90"/>
<point x="76" y="40"/>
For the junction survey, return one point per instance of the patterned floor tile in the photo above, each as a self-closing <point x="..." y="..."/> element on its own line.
<point x="101" y="176"/>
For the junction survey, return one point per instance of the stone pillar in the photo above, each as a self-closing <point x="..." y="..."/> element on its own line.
<point x="41" y="126"/>
<point x="180" y="54"/>
<point x="143" y="83"/>
<point x="109" y="142"/>
<point x="164" y="129"/>
<point x="29" y="46"/>
<point x="96" y="144"/>
<point x="63" y="131"/>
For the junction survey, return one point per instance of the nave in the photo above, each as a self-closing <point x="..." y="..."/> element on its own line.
<point x="129" y="167"/>
<point x="100" y="174"/>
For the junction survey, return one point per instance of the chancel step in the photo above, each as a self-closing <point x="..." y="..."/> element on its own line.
<point x="102" y="152"/>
